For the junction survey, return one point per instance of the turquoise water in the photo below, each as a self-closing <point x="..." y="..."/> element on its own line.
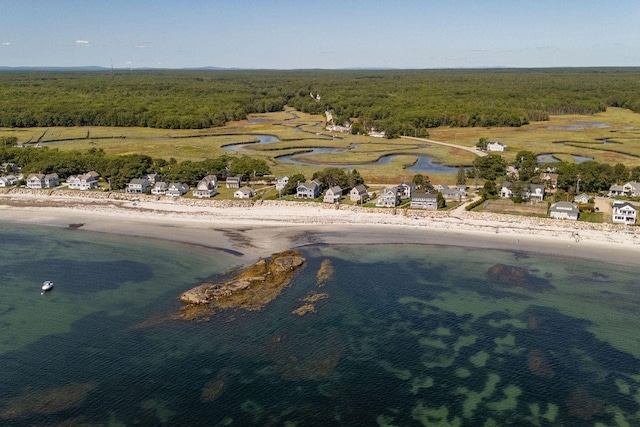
<point x="408" y="335"/>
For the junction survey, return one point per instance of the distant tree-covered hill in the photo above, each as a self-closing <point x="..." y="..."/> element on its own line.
<point x="396" y="101"/>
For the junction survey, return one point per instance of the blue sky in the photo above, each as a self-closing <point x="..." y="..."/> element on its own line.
<point x="284" y="34"/>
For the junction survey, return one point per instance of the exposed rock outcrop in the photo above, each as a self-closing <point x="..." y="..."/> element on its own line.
<point x="251" y="289"/>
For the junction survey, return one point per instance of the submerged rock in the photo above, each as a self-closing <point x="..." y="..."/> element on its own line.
<point x="325" y="272"/>
<point x="251" y="289"/>
<point x="517" y="277"/>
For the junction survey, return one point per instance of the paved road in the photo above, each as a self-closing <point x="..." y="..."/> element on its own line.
<point x="462" y="147"/>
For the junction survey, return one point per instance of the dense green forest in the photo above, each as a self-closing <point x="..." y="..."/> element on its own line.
<point x="396" y="101"/>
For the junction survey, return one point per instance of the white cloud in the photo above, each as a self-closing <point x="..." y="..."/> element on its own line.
<point x="5" y="44"/>
<point x="82" y="43"/>
<point x="142" y="46"/>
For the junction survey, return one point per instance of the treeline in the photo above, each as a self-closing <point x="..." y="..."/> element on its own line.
<point x="398" y="102"/>
<point x="119" y="170"/>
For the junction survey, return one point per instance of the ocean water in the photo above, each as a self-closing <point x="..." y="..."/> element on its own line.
<point x="406" y="335"/>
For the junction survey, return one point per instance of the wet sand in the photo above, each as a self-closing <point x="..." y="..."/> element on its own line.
<point x="256" y="230"/>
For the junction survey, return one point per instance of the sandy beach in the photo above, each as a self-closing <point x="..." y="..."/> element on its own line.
<point x="255" y="229"/>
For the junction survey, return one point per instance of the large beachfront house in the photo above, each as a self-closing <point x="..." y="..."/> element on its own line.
<point x="207" y="187"/>
<point x="564" y="210"/>
<point x="359" y="193"/>
<point x="308" y="190"/>
<point x="333" y="195"/>
<point x="85" y="181"/>
<point x="426" y="201"/>
<point x="39" y="180"/>
<point x="138" y="185"/>
<point x="388" y="197"/>
<point x="159" y="188"/>
<point x="623" y="212"/>
<point x="177" y="189"/>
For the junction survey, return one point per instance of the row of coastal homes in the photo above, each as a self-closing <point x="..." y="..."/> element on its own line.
<point x="392" y="196"/>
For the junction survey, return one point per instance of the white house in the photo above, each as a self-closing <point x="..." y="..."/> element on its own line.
<point x="582" y="198"/>
<point x="632" y="188"/>
<point x="623" y="212"/>
<point x="38" y="180"/>
<point x="564" y="210"/>
<point x="244" y="193"/>
<point x="159" y="188"/>
<point x="177" y="189"/>
<point x="85" y="181"/>
<point x="281" y="182"/>
<point x="8" y="180"/>
<point x="505" y="191"/>
<point x="388" y="197"/>
<point x="496" y="146"/>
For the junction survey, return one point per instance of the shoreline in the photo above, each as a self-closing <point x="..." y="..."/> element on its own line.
<point x="256" y="229"/>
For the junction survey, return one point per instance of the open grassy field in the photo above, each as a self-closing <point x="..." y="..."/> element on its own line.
<point x="611" y="137"/>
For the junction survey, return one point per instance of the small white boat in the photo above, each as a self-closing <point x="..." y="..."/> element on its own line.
<point x="47" y="286"/>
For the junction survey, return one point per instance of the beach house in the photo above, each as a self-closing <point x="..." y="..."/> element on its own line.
<point x="333" y="194"/>
<point x="623" y="212"/>
<point x="564" y="210"/>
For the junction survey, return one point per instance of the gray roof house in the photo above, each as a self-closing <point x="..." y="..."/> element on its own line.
<point x="333" y="194"/>
<point x="233" y="182"/>
<point x="177" y="189"/>
<point x="159" y="188"/>
<point x="632" y="188"/>
<point x="308" y="190"/>
<point x="424" y="201"/>
<point x="535" y="192"/>
<point x="359" y="193"/>
<point x="616" y="190"/>
<point x="564" y="210"/>
<point x="207" y="187"/>
<point x="138" y="185"/>
<point x="623" y="212"/>
<point x="8" y="180"/>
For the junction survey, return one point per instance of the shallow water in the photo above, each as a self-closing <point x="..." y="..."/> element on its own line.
<point x="408" y="335"/>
